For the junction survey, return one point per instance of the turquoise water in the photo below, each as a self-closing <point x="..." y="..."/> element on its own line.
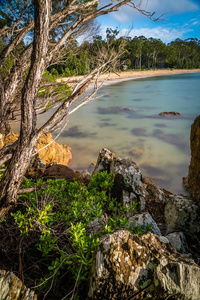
<point x="125" y="120"/>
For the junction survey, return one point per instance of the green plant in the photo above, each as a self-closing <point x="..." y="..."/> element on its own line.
<point x="140" y="230"/>
<point x="1" y="173"/>
<point x="63" y="211"/>
<point x="60" y="215"/>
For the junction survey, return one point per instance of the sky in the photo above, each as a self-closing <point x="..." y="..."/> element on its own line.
<point x="179" y="19"/>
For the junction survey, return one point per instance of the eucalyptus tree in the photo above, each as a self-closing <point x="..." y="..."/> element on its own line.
<point x="47" y="27"/>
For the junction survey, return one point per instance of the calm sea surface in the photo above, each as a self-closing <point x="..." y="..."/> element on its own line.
<point x="125" y="120"/>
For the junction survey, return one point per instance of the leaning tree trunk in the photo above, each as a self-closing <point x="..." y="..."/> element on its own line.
<point x="21" y="158"/>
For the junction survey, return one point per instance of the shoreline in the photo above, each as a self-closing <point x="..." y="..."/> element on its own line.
<point x="113" y="78"/>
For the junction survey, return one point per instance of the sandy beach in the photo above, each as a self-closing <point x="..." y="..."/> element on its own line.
<point x="110" y="78"/>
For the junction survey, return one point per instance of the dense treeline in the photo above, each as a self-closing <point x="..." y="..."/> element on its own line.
<point x="139" y="53"/>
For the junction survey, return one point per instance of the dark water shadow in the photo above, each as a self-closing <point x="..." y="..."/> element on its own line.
<point x="74" y="132"/>
<point x="165" y="178"/>
<point x="105" y="119"/>
<point x="106" y="124"/>
<point x="113" y="110"/>
<point x="177" y="140"/>
<point x="160" y="125"/>
<point x="138" y="100"/>
<point x="139" y="131"/>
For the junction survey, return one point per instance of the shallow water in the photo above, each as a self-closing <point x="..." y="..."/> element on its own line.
<point x="125" y="120"/>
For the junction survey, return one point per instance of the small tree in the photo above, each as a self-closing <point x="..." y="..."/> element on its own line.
<point x="51" y="26"/>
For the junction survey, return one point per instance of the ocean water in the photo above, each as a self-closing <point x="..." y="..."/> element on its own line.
<point x="125" y="119"/>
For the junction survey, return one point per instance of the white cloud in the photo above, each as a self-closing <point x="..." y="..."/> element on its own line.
<point x="160" y="7"/>
<point x="196" y="23"/>
<point x="166" y="6"/>
<point x="165" y="34"/>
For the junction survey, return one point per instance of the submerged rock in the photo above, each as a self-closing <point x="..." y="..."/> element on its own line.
<point x="113" y="110"/>
<point x="193" y="179"/>
<point x="128" y="266"/>
<point x="12" y="288"/>
<point x="169" y="114"/>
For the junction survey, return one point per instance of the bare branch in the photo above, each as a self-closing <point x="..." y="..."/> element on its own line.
<point x="8" y="148"/>
<point x="36" y="188"/>
<point x="5" y="158"/>
<point x="62" y="109"/>
<point x="17" y="40"/>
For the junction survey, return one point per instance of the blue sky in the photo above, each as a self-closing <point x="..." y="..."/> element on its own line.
<point x="181" y="19"/>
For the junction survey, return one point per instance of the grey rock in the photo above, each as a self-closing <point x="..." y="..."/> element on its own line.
<point x="181" y="213"/>
<point x="144" y="220"/>
<point x="128" y="187"/>
<point x="177" y="239"/>
<point x="127" y="264"/>
<point x="96" y="225"/>
<point x="163" y="239"/>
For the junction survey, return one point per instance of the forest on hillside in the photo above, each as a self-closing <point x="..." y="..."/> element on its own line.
<point x="137" y="53"/>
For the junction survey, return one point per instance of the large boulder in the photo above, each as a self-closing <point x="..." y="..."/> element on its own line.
<point x="57" y="171"/>
<point x="128" y="266"/>
<point x="53" y="153"/>
<point x="128" y="187"/>
<point x="171" y="212"/>
<point x="193" y="179"/>
<point x="12" y="288"/>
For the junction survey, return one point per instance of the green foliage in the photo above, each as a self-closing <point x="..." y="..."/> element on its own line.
<point x="140" y="230"/>
<point x="1" y="173"/>
<point x="48" y="77"/>
<point x="60" y="215"/>
<point x="138" y="53"/>
<point x="56" y="92"/>
<point x="63" y="211"/>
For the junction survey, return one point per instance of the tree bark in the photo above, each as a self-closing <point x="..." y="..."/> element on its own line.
<point x="20" y="161"/>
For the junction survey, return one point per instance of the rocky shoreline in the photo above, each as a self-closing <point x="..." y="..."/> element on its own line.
<point x="162" y="263"/>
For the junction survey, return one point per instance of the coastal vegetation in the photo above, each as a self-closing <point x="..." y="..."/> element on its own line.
<point x="57" y="226"/>
<point x="51" y="228"/>
<point x="138" y="53"/>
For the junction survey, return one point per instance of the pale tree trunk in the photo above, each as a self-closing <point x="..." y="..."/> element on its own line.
<point x="20" y="161"/>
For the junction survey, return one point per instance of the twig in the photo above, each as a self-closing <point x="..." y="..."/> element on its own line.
<point x="20" y="261"/>
<point x="76" y="281"/>
<point x="30" y="190"/>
